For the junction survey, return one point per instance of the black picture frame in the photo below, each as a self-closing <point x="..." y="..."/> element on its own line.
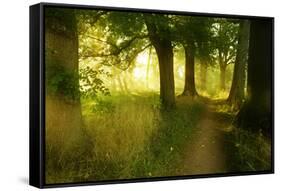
<point x="37" y="95"/>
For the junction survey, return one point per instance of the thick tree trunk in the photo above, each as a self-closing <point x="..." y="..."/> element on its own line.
<point x="256" y="114"/>
<point x="236" y="95"/>
<point x="63" y="108"/>
<point x="189" y="85"/>
<point x="164" y="51"/>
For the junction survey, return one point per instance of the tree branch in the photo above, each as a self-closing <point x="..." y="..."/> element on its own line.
<point x="125" y="45"/>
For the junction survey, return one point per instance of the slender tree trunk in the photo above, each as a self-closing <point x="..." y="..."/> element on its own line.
<point x="222" y="76"/>
<point x="164" y="51"/>
<point x="189" y="85"/>
<point x="236" y="95"/>
<point x="203" y="74"/>
<point x="256" y="114"/>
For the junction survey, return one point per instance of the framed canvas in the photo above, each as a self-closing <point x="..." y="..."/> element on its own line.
<point x="127" y="95"/>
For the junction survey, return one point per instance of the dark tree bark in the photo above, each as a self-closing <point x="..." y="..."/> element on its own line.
<point x="164" y="51"/>
<point x="255" y="114"/>
<point x="236" y="95"/>
<point x="189" y="85"/>
<point x="63" y="108"/>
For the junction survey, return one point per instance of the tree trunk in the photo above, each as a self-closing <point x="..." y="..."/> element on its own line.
<point x="256" y="114"/>
<point x="203" y="75"/>
<point x="147" y="68"/>
<point x="236" y="95"/>
<point x="63" y="108"/>
<point x="189" y="85"/>
<point x="222" y="76"/>
<point x="164" y="51"/>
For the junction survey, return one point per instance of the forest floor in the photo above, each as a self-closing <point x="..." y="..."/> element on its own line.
<point x="218" y="146"/>
<point x="129" y="136"/>
<point x="207" y="153"/>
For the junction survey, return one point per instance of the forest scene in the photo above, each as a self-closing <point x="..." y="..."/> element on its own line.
<point x="132" y="95"/>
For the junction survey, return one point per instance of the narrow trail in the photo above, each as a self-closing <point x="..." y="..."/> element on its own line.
<point x="206" y="153"/>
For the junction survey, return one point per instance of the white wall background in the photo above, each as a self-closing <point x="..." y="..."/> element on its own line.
<point x="14" y="51"/>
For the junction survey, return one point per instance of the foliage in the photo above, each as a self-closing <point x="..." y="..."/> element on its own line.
<point x="132" y="139"/>
<point x="127" y="135"/>
<point x="53" y="14"/>
<point x="195" y="33"/>
<point x="91" y="84"/>
<point x="225" y="40"/>
<point x="63" y="82"/>
<point x="116" y="39"/>
<point x="60" y="81"/>
<point x="253" y="150"/>
<point x="102" y="106"/>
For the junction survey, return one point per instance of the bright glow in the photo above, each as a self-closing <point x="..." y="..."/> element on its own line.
<point x="180" y="71"/>
<point x="140" y="69"/>
<point x="142" y="58"/>
<point x="139" y="73"/>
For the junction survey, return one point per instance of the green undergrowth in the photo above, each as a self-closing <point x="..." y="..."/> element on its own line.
<point x="128" y="137"/>
<point x="253" y="151"/>
<point x="134" y="138"/>
<point x="165" y="152"/>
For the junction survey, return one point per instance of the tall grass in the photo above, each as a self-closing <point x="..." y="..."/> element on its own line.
<point x="165" y="154"/>
<point x="121" y="130"/>
<point x="123" y="137"/>
<point x="65" y="142"/>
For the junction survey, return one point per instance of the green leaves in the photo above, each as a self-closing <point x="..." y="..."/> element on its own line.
<point x="225" y="40"/>
<point x="91" y="84"/>
<point x="61" y="82"/>
<point x="115" y="40"/>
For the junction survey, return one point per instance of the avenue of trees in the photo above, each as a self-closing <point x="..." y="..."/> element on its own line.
<point x="92" y="53"/>
<point x="115" y="39"/>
